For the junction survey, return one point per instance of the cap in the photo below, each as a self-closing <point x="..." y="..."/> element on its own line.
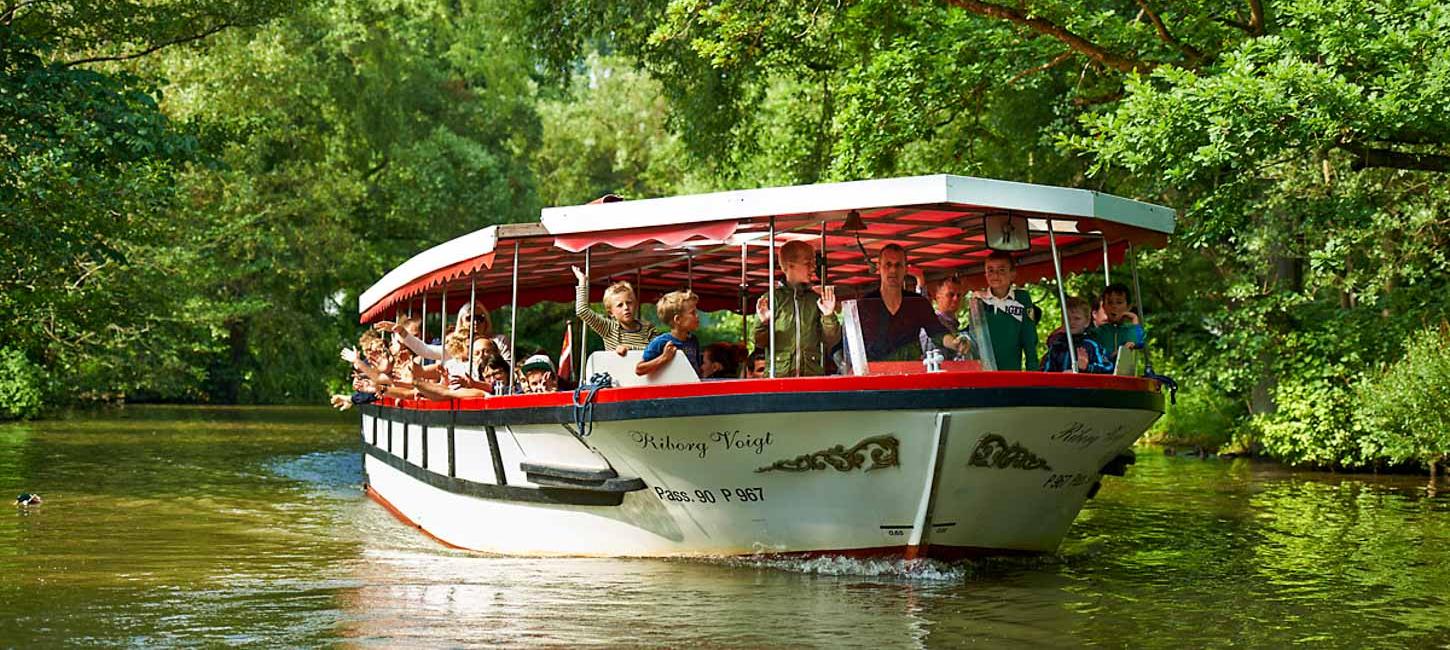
<point x="538" y="362"/>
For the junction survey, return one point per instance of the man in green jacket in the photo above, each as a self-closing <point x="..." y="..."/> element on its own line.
<point x="1010" y="318"/>
<point x="802" y="321"/>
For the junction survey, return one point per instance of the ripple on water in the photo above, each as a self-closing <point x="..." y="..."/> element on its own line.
<point x="923" y="570"/>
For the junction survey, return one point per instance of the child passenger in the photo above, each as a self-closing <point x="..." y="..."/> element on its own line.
<point x="719" y="361"/>
<point x="1090" y="355"/>
<point x="802" y="319"/>
<point x="1121" y="326"/>
<point x="677" y="311"/>
<point x="622" y="330"/>
<point x="1010" y="318"/>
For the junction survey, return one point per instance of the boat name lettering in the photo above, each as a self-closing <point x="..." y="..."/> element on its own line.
<point x="732" y="440"/>
<point x="667" y="443"/>
<point x="1060" y="481"/>
<point x="1078" y="434"/>
<point x="995" y="451"/>
<point x="1082" y="435"/>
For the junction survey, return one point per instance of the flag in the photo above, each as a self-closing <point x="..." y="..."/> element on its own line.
<point x="566" y="356"/>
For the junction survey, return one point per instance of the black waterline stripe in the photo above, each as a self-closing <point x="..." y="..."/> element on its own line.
<point x="495" y="492"/>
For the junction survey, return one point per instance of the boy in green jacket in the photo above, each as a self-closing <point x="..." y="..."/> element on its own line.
<point x="1010" y="318"/>
<point x="1121" y="326"/>
<point x="802" y="319"/>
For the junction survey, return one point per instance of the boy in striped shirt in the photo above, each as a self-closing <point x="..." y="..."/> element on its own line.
<point x="621" y="329"/>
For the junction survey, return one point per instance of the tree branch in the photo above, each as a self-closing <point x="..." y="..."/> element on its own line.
<point x="1366" y="157"/>
<point x="1255" y="26"/>
<point x="1034" y="70"/>
<point x="1256" y="17"/>
<point x="149" y="50"/>
<point x="1191" y="54"/>
<point x="8" y="15"/>
<point x="1077" y="43"/>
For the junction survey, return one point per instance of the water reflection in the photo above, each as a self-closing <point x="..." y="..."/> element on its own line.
<point x="210" y="526"/>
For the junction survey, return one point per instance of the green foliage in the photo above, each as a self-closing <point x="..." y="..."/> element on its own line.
<point x="194" y="191"/>
<point x="1405" y="408"/>
<point x="1201" y="417"/>
<point x="22" y="386"/>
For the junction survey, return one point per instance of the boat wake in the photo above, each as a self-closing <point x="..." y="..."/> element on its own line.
<point x="923" y="570"/>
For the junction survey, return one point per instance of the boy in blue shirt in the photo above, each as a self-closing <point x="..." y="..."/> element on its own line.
<point x="676" y="311"/>
<point x="1090" y="355"/>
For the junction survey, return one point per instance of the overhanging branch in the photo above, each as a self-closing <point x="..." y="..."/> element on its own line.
<point x="1042" y="26"/>
<point x="149" y="50"/>
<point x="1192" y="56"/>
<point x="1366" y="157"/>
<point x="8" y="16"/>
<point x="1036" y="69"/>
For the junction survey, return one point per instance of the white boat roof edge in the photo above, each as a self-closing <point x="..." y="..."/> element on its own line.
<point x="453" y="251"/>
<point x="1040" y="200"/>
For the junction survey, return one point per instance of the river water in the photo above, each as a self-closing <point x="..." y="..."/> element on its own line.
<point x="201" y="526"/>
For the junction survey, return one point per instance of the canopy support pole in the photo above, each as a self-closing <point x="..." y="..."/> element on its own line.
<point x="1061" y="296"/>
<point x="513" y="316"/>
<point x="472" y="305"/>
<point x="770" y="291"/>
<point x="822" y="273"/>
<point x="1138" y="298"/>
<point x="584" y="327"/>
<point x="1107" y="272"/>
<point x="423" y="322"/>
<point x="443" y="317"/>
<point x="689" y="270"/>
<point x="744" y="299"/>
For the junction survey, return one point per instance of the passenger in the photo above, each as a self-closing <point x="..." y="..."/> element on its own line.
<point x="622" y="330"/>
<point x="458" y="376"/>
<point x="496" y="374"/>
<point x="946" y="298"/>
<point x="1120" y="326"/>
<point x="1090" y="355"/>
<point x="364" y="389"/>
<point x="413" y="326"/>
<point x="892" y="320"/>
<point x="1010" y="318"/>
<point x="718" y="361"/>
<point x="755" y="367"/>
<point x="481" y="323"/>
<point x="802" y="319"/>
<point x="539" y="375"/>
<point x="676" y="309"/>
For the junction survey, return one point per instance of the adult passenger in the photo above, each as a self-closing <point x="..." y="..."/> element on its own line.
<point x="468" y="317"/>
<point x="892" y="320"/>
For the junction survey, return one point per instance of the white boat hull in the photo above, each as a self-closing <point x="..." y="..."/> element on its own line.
<point x="938" y="481"/>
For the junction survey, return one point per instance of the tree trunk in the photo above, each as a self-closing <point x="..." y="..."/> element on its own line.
<point x="231" y="383"/>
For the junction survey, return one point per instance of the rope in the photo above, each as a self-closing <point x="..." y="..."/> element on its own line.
<point x="584" y="410"/>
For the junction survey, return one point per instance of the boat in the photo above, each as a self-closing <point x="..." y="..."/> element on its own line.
<point x="905" y="460"/>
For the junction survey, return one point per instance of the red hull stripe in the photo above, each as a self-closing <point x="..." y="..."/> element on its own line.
<point x="373" y="494"/>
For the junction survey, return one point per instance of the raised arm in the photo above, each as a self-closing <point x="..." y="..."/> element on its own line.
<point x="581" y="305"/>
<point x="420" y="349"/>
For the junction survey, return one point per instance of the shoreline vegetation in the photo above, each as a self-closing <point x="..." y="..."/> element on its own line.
<point x="192" y="194"/>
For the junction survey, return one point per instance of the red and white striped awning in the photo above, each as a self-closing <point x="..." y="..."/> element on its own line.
<point x="702" y="241"/>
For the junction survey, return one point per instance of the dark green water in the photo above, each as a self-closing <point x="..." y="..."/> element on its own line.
<point x="177" y="526"/>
